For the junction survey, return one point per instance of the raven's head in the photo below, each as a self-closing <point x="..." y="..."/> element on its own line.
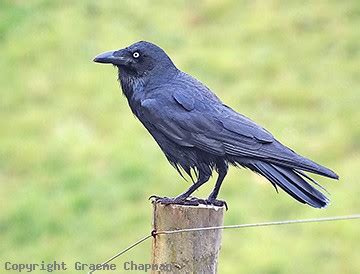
<point x="138" y="60"/>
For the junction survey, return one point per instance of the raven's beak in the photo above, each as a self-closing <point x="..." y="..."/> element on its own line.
<point x="111" y="57"/>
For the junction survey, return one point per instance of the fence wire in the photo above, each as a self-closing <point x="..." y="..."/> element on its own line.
<point x="263" y="224"/>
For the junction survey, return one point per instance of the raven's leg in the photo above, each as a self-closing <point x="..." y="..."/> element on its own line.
<point x="204" y="176"/>
<point x="222" y="171"/>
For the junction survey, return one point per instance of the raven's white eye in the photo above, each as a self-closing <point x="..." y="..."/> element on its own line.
<point x="136" y="54"/>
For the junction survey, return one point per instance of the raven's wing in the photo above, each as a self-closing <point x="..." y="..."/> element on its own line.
<point x="215" y="131"/>
<point x="197" y="118"/>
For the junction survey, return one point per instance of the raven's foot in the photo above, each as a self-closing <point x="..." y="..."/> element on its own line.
<point x="210" y="201"/>
<point x="191" y="201"/>
<point x="176" y="200"/>
<point x="215" y="202"/>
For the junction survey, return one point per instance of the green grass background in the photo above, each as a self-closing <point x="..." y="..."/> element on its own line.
<point x="76" y="168"/>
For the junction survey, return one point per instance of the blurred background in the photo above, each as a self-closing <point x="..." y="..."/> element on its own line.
<point x="76" y="168"/>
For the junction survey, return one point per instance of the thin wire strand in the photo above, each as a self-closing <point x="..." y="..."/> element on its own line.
<point x="287" y="222"/>
<point x="124" y="251"/>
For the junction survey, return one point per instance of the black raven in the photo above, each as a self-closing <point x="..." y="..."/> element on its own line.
<point x="198" y="133"/>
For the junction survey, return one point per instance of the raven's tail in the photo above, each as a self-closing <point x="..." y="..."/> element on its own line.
<point x="292" y="181"/>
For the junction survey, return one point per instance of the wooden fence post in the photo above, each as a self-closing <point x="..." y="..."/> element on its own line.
<point x="186" y="252"/>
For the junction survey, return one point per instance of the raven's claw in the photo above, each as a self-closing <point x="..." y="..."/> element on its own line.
<point x="154" y="197"/>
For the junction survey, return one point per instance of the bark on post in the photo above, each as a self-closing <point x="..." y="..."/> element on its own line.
<point x="187" y="252"/>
